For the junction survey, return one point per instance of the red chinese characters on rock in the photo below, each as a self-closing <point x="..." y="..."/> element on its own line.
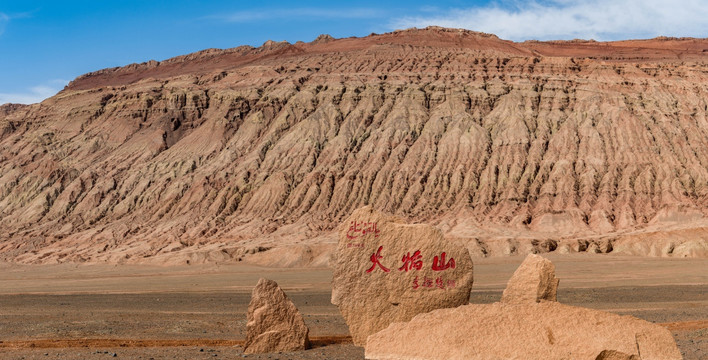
<point x="362" y="228"/>
<point x="427" y="282"/>
<point x="441" y="265"/>
<point x="411" y="262"/>
<point x="415" y="262"/>
<point x="375" y="257"/>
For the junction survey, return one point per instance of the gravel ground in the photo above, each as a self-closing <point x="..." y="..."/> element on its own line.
<point x="189" y="324"/>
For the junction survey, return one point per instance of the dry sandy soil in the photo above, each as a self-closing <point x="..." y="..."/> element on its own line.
<point x="199" y="312"/>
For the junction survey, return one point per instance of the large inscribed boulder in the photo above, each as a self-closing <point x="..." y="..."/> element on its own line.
<point x="387" y="271"/>
<point x="545" y="330"/>
<point x="274" y="323"/>
<point x="533" y="281"/>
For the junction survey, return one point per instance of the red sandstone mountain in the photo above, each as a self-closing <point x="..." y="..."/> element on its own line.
<point x="510" y="147"/>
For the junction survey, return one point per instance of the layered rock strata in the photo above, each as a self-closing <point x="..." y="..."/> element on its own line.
<point x="510" y="147"/>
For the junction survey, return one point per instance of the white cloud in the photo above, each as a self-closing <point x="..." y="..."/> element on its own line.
<point x="34" y="94"/>
<point x="4" y="19"/>
<point x="569" y="19"/>
<point x="299" y="13"/>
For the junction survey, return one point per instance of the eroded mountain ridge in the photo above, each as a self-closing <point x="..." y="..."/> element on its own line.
<point x="509" y="147"/>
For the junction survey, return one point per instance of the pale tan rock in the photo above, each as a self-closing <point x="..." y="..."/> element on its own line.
<point x="564" y="249"/>
<point x="615" y="355"/>
<point x="535" y="280"/>
<point x="655" y="345"/>
<point x="387" y="271"/>
<point x="546" y="330"/>
<point x="274" y="323"/>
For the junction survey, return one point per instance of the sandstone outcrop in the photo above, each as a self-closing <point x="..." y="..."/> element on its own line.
<point x="534" y="281"/>
<point x="387" y="271"/>
<point x="201" y="157"/>
<point x="274" y="323"/>
<point x="546" y="330"/>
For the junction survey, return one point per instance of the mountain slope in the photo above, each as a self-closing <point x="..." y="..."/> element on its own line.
<point x="509" y="147"/>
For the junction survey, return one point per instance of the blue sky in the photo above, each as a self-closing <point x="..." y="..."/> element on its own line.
<point x="45" y="44"/>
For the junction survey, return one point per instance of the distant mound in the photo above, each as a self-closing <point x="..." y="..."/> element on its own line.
<point x="221" y="155"/>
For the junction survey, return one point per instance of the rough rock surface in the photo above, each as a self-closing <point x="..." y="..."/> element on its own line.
<point x="535" y="280"/>
<point x="615" y="355"/>
<point x="207" y="156"/>
<point x="387" y="271"/>
<point x="546" y="330"/>
<point x="274" y="323"/>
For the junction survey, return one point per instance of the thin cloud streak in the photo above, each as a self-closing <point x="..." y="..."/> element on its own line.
<point x="34" y="94"/>
<point x="4" y="19"/>
<point x="301" y="13"/>
<point x="569" y="19"/>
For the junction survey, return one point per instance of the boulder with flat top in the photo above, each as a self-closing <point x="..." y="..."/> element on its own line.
<point x="545" y="330"/>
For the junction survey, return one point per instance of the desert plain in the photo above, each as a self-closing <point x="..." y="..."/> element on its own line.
<point x="70" y="311"/>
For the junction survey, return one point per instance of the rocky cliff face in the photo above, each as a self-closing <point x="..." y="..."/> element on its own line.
<point x="509" y="147"/>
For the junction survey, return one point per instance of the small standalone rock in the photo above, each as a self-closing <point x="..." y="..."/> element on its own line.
<point x="533" y="281"/>
<point x="274" y="323"/>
